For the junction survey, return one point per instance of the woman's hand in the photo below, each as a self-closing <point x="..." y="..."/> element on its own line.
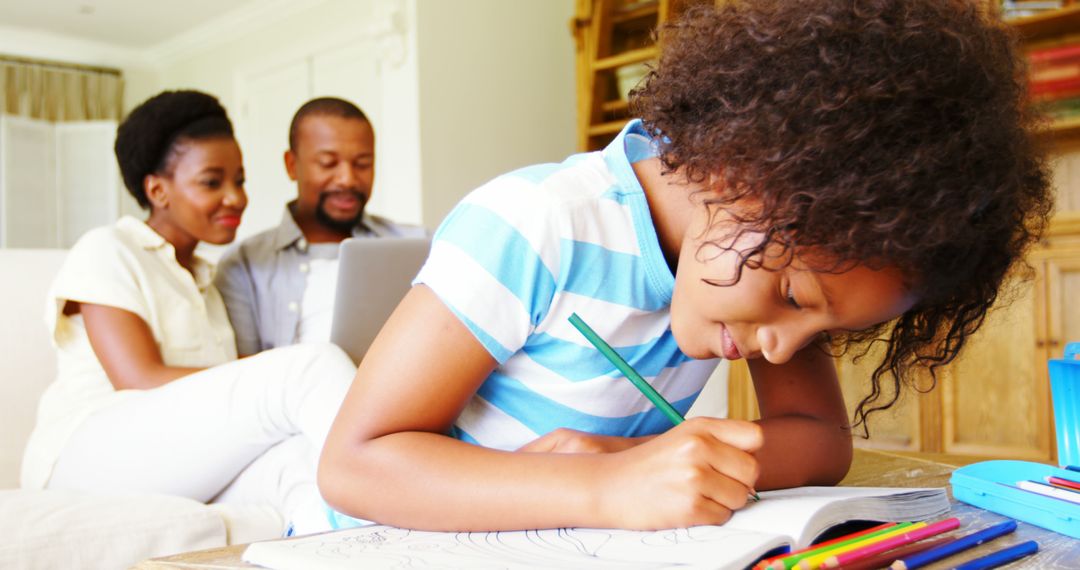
<point x="697" y="473"/>
<point x="566" y="440"/>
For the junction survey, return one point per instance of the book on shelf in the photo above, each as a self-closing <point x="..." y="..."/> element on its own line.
<point x="1046" y="56"/>
<point x="1055" y="72"/>
<point x="781" y="520"/>
<point x="1013" y="9"/>
<point x="1055" y="89"/>
<point x="1062" y="109"/>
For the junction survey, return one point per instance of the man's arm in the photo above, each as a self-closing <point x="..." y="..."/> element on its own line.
<point x="237" y="288"/>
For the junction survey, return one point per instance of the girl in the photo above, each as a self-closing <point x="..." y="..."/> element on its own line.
<point x="802" y="170"/>
<point x="149" y="396"/>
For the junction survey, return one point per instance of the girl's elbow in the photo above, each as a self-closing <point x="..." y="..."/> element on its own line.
<point x="836" y="468"/>
<point x="330" y="476"/>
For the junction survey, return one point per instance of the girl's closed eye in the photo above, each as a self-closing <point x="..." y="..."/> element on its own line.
<point x="789" y="295"/>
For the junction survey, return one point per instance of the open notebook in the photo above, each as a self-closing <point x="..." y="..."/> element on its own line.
<point x="791" y="517"/>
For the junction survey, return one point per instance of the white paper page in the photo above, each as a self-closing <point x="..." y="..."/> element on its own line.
<point x="387" y="547"/>
<point x="753" y="531"/>
<point x="803" y="512"/>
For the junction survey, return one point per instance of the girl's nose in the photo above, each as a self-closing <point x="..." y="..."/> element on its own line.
<point x="779" y="343"/>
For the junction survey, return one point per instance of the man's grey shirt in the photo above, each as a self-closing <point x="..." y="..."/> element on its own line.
<point x="262" y="279"/>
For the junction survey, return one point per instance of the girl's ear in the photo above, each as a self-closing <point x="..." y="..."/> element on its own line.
<point x="154" y="186"/>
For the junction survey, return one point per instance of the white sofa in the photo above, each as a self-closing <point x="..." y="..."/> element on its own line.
<point x="58" y="529"/>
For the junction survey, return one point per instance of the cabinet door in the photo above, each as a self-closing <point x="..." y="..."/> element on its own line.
<point x="1062" y="312"/>
<point x="88" y="183"/>
<point x="995" y="402"/>
<point x="28" y="202"/>
<point x="268" y="99"/>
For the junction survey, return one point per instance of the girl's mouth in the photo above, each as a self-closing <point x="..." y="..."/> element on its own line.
<point x="727" y="345"/>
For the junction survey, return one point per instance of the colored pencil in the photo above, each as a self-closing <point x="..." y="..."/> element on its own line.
<point x="767" y="563"/>
<point x="906" y="538"/>
<point x="1001" y="557"/>
<point x="793" y="560"/>
<point x="1073" y="467"/>
<point x="632" y="375"/>
<point x="952" y="547"/>
<point x="627" y="370"/>
<point x="815" y="561"/>
<point x="1062" y="482"/>
<point x="885" y="558"/>
<point x="1049" y="491"/>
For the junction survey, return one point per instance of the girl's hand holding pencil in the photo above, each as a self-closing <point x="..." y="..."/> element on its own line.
<point x="711" y="468"/>
<point x="697" y="473"/>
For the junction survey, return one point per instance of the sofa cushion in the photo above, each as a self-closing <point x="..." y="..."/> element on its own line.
<point x="27" y="359"/>
<point x="70" y="529"/>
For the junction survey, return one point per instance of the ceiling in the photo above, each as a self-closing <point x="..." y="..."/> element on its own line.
<point x="129" y="24"/>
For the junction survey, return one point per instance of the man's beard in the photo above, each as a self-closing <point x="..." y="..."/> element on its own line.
<point x="339" y="225"/>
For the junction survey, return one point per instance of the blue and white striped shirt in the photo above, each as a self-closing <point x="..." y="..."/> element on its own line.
<point x="518" y="255"/>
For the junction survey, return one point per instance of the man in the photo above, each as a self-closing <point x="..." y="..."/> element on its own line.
<point x="279" y="285"/>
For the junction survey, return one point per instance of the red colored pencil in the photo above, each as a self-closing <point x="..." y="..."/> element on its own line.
<point x="886" y="558"/>
<point x="1060" y="482"/>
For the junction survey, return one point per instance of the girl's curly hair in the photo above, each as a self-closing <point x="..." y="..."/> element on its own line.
<point x="883" y="132"/>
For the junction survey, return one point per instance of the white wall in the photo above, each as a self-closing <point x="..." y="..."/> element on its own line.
<point x="496" y="92"/>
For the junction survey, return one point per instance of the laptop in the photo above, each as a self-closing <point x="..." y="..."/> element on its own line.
<point x="373" y="276"/>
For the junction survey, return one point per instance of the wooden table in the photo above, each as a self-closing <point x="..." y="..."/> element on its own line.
<point x="869" y="469"/>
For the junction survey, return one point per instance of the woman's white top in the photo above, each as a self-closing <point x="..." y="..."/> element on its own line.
<point x="128" y="266"/>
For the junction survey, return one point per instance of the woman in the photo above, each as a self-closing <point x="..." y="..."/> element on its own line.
<point x="149" y="395"/>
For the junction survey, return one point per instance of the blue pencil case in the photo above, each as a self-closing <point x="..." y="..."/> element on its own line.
<point x="991" y="485"/>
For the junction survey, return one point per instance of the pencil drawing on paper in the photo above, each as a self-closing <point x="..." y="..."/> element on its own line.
<point x="388" y="547"/>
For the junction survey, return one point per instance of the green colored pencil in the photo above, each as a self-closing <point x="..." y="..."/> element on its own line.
<point x="627" y="370"/>
<point x="631" y="374"/>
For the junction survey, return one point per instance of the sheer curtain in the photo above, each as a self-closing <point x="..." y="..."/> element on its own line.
<point x="59" y="92"/>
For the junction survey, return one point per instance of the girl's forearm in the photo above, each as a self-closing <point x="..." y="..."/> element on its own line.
<point x="431" y="482"/>
<point x="803" y="450"/>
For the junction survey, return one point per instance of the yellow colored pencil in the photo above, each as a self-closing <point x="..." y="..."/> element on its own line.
<point x="814" y="562"/>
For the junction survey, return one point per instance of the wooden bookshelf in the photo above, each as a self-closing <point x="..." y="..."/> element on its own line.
<point x="610" y="35"/>
<point x="1049" y="26"/>
<point x="1064" y="129"/>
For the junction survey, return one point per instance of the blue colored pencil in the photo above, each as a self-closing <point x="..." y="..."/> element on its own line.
<point x="1001" y="557"/>
<point x="959" y="545"/>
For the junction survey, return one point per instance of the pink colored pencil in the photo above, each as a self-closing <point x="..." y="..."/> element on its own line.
<point x="886" y="558"/>
<point x="765" y="564"/>
<point x="893" y="542"/>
